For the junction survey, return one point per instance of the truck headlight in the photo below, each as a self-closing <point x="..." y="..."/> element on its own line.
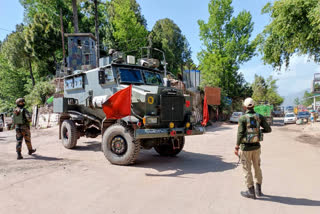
<point x="151" y="120"/>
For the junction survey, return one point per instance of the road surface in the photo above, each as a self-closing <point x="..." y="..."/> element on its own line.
<point x="204" y="178"/>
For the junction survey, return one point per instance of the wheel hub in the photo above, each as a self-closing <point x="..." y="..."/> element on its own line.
<point x="118" y="145"/>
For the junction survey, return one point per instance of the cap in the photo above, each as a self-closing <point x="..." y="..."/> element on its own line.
<point x="248" y="102"/>
<point x="20" y="100"/>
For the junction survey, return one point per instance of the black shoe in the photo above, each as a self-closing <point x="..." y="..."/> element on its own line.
<point x="19" y="156"/>
<point x="250" y="193"/>
<point x="258" y="190"/>
<point x="32" y="151"/>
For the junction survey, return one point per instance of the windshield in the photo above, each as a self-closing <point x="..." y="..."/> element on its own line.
<point x="237" y="113"/>
<point x="130" y="76"/>
<point x="290" y="115"/>
<point x="303" y="113"/>
<point x="152" y="78"/>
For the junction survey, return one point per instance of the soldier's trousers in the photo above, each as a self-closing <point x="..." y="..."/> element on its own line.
<point x="249" y="158"/>
<point x="23" y="132"/>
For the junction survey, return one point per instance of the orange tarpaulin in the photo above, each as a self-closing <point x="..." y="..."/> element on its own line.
<point x="205" y="117"/>
<point x="119" y="104"/>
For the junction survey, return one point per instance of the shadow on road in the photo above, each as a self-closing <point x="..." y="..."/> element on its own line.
<point x="45" y="158"/>
<point x="90" y="146"/>
<point x="220" y="127"/>
<point x="184" y="164"/>
<point x="290" y="201"/>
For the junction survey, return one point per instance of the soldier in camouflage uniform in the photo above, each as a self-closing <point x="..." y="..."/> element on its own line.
<point x="21" y="121"/>
<point x="248" y="141"/>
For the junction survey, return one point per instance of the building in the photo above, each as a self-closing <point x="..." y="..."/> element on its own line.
<point x="81" y="51"/>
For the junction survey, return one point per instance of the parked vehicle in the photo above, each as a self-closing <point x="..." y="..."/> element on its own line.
<point x="290" y="118"/>
<point x="303" y="115"/>
<point x="235" y="117"/>
<point x="1" y="122"/>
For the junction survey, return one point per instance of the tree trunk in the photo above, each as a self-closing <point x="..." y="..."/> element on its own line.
<point x="97" y="31"/>
<point x="75" y="16"/>
<point x="31" y="73"/>
<point x="62" y="38"/>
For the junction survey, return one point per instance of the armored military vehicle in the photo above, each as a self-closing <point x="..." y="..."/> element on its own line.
<point x="160" y="117"/>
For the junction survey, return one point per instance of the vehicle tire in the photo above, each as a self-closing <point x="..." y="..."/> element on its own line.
<point x="1" y="129"/>
<point x="119" y="145"/>
<point x="69" y="134"/>
<point x="166" y="148"/>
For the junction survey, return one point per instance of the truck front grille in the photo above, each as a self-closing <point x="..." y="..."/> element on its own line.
<point x="171" y="108"/>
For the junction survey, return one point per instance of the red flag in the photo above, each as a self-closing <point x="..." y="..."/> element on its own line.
<point x="205" y="117"/>
<point x="119" y="104"/>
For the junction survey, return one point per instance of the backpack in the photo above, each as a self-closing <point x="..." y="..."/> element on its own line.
<point x="253" y="134"/>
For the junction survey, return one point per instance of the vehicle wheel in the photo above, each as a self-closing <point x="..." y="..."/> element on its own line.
<point x="1" y="129"/>
<point x="166" y="148"/>
<point x="69" y="134"/>
<point x="119" y="145"/>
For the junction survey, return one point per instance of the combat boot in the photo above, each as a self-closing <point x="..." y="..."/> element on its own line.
<point x="19" y="156"/>
<point x="258" y="190"/>
<point x="250" y="193"/>
<point x="32" y="151"/>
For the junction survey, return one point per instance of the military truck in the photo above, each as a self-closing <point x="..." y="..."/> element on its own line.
<point x="160" y="118"/>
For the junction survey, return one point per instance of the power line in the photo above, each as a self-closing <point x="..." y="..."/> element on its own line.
<point x="5" y="29"/>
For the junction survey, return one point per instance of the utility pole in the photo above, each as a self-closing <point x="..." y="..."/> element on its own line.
<point x="97" y="31"/>
<point x="149" y="47"/>
<point x="62" y="37"/>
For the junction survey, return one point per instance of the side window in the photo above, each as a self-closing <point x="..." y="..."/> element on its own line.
<point x="109" y="75"/>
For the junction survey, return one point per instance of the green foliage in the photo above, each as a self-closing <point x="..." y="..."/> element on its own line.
<point x="266" y="91"/>
<point x="126" y="29"/>
<point x="12" y="83"/>
<point x="167" y="36"/>
<point x="307" y="99"/>
<point x="227" y="45"/>
<point x="40" y="93"/>
<point x="297" y="101"/>
<point x="294" y="28"/>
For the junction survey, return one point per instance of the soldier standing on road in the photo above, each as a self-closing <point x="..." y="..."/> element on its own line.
<point x="248" y="141"/>
<point x="21" y="121"/>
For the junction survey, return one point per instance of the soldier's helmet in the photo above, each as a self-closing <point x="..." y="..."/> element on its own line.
<point x="20" y="100"/>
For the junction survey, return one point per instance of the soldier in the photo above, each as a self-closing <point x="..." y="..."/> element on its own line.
<point x="21" y="121"/>
<point x="248" y="141"/>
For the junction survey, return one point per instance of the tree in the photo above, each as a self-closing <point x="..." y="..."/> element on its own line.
<point x="13" y="49"/>
<point x="294" y="29"/>
<point x="42" y="39"/>
<point x="12" y="82"/>
<point x="296" y="101"/>
<point x="266" y="91"/>
<point x="40" y="93"/>
<point x="75" y="16"/>
<point x="167" y="36"/>
<point x="227" y="45"/>
<point x="126" y="28"/>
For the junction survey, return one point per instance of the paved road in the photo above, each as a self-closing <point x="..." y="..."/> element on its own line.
<point x="202" y="179"/>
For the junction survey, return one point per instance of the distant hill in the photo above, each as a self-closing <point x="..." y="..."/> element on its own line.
<point x="289" y="99"/>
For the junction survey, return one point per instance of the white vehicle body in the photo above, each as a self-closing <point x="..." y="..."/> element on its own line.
<point x="290" y="118"/>
<point x="235" y="117"/>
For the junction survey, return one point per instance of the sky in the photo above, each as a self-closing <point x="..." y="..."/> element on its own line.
<point x="186" y="13"/>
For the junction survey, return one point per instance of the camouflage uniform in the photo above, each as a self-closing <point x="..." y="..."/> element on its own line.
<point x="21" y="121"/>
<point x="250" y="152"/>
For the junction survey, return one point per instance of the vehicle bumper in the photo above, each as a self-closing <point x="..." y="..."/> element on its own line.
<point x="290" y="121"/>
<point x="166" y="132"/>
